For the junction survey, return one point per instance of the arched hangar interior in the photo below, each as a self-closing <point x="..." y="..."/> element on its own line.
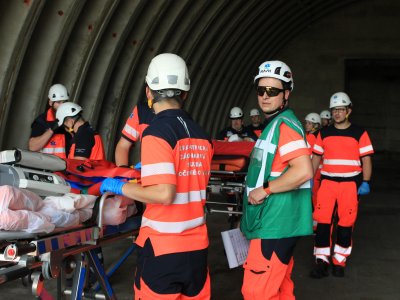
<point x="100" y="50"/>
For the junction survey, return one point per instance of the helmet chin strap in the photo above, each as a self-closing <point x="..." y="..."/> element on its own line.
<point x="71" y="129"/>
<point x="279" y="108"/>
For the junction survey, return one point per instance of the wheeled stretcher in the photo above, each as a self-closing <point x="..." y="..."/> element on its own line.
<point x="63" y="252"/>
<point x="228" y="174"/>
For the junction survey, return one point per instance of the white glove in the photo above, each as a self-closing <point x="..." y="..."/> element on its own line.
<point x="234" y="138"/>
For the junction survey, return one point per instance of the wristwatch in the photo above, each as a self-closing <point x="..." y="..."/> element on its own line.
<point x="266" y="188"/>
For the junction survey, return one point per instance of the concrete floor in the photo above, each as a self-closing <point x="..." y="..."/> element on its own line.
<point x="373" y="270"/>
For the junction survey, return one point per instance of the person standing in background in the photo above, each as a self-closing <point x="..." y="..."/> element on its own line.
<point x="46" y="135"/>
<point x="136" y="123"/>
<point x="345" y="174"/>
<point x="256" y="125"/>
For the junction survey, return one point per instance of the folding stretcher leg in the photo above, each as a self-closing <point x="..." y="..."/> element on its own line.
<point x="117" y="264"/>
<point x="101" y="274"/>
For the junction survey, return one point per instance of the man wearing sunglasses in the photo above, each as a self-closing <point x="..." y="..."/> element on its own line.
<point x="277" y="201"/>
<point x="346" y="171"/>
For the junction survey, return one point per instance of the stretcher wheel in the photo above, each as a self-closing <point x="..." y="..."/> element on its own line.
<point x="37" y="283"/>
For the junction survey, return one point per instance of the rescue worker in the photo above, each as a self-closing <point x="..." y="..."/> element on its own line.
<point x="312" y="126"/>
<point x="277" y="201"/>
<point x="256" y="125"/>
<point x="46" y="135"/>
<point x="237" y="131"/>
<point x="176" y="162"/>
<point x="136" y="123"/>
<point x="86" y="142"/>
<point x="325" y="116"/>
<point x="346" y="172"/>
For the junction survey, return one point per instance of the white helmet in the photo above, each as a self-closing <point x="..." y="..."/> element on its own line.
<point x="254" y="112"/>
<point x="58" y="92"/>
<point x="67" y="109"/>
<point x="325" y="114"/>
<point x="339" y="99"/>
<point x="168" y="71"/>
<point x="275" y="69"/>
<point x="236" y="113"/>
<point x="313" y="118"/>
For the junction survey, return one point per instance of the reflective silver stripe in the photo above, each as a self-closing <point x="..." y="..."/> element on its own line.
<point x="342" y="250"/>
<point x="340" y="258"/>
<point x="173" y="227"/>
<point x="349" y="174"/>
<point x="305" y="185"/>
<point x="318" y="148"/>
<point x="131" y="131"/>
<point x="192" y="196"/>
<point x="53" y="150"/>
<point x="343" y="162"/>
<point x="323" y="257"/>
<point x="292" y="146"/>
<point x="157" y="169"/>
<point x="276" y="174"/>
<point x="322" y="251"/>
<point x="366" y="149"/>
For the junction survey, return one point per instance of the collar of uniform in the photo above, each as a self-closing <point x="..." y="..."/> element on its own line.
<point x="171" y="113"/>
<point x="268" y="120"/>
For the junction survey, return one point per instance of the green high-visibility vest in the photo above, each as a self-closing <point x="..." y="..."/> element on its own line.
<point x="281" y="215"/>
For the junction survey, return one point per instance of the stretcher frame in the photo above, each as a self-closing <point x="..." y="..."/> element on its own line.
<point x="226" y="183"/>
<point x="45" y="256"/>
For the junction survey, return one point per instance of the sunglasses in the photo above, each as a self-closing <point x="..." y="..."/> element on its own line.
<point x="270" y="90"/>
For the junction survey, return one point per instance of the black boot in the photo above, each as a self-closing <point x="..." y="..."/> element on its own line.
<point x="320" y="270"/>
<point x="337" y="271"/>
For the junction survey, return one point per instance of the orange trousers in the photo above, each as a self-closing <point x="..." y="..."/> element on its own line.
<point x="268" y="269"/>
<point x="343" y="197"/>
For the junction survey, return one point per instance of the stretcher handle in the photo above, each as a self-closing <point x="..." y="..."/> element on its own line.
<point x="100" y="215"/>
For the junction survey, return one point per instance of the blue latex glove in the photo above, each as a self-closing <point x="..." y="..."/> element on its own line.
<point x="112" y="185"/>
<point x="364" y="188"/>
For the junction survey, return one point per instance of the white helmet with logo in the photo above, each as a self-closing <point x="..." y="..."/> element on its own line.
<point x="58" y="92"/>
<point x="313" y="118"/>
<point x="168" y="71"/>
<point x="275" y="69"/>
<point x="254" y="112"/>
<point x="325" y="114"/>
<point x="67" y="109"/>
<point x="236" y="113"/>
<point x="339" y="99"/>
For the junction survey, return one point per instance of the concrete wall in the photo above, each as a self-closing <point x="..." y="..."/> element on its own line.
<point x="369" y="30"/>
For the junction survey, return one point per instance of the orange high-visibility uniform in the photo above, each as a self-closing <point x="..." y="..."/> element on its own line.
<point x="341" y="175"/>
<point x="137" y="122"/>
<point x="97" y="152"/>
<point x="56" y="144"/>
<point x="311" y="139"/>
<point x="175" y="150"/>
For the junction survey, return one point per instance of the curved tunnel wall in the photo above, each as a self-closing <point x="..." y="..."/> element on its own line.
<point x="100" y="50"/>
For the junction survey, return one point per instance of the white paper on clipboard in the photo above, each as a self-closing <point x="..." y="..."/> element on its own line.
<point x="236" y="247"/>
